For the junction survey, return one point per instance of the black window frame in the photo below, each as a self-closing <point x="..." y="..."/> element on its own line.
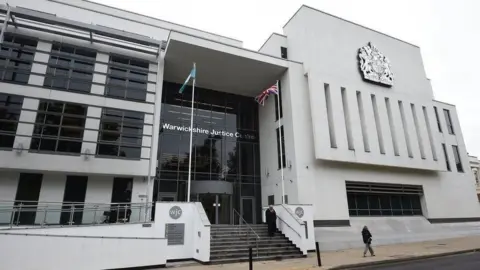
<point x="379" y="199"/>
<point x="438" y="119"/>
<point x="9" y="119"/>
<point x="278" y="102"/>
<point x="128" y="66"/>
<point x="448" y="120"/>
<point x="24" y="47"/>
<point x="445" y="154"/>
<point x="283" y="52"/>
<point x="457" y="158"/>
<point x="120" y="119"/>
<point x="271" y="199"/>
<point x="81" y="60"/>
<point x="48" y="111"/>
<point x="280" y="135"/>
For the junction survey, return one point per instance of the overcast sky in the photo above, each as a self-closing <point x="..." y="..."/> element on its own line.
<point x="447" y="31"/>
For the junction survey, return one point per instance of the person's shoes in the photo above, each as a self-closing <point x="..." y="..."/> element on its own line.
<point x="373" y="255"/>
<point x="364" y="255"/>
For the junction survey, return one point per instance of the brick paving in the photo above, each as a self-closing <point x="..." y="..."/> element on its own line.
<point x="352" y="256"/>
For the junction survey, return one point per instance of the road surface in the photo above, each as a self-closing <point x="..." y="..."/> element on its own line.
<point x="469" y="261"/>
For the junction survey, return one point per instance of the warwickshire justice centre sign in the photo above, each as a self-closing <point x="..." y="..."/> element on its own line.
<point x="213" y="132"/>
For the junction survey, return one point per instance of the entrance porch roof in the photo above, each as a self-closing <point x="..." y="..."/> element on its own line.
<point x="220" y="66"/>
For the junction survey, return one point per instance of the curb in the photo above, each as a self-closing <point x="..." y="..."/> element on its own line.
<point x="403" y="260"/>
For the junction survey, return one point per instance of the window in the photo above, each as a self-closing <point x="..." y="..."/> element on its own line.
<point x="59" y="127"/>
<point x="10" y="108"/>
<point x="283" y="52"/>
<point x="277" y="100"/>
<point x="271" y="200"/>
<point x="458" y="161"/>
<point x="448" y="119"/>
<point x="70" y="68"/>
<point x="281" y="143"/>
<point x="446" y="157"/>
<point x="438" y="119"/>
<point x="16" y="56"/>
<point x="127" y="78"/>
<point x="120" y="133"/>
<point x="368" y="199"/>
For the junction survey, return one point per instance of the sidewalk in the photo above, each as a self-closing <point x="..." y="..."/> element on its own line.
<point x="333" y="259"/>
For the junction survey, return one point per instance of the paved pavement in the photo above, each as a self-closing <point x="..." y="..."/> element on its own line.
<point x="334" y="259"/>
<point x="469" y="261"/>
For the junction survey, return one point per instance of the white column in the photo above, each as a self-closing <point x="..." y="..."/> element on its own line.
<point x="40" y="66"/>
<point x="100" y="78"/>
<point x="99" y="191"/>
<point x="52" y="190"/>
<point x="138" y="197"/>
<point x="27" y="123"/>
<point x="90" y="135"/>
<point x="8" y="190"/>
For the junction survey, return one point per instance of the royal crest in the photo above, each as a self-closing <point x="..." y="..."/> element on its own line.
<point x="374" y="65"/>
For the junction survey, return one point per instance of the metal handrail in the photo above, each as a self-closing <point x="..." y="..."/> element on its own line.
<point x="289" y="226"/>
<point x="123" y="212"/>
<point x="248" y="237"/>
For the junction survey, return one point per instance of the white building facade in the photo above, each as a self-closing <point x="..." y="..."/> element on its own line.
<point x="475" y="167"/>
<point x="93" y="115"/>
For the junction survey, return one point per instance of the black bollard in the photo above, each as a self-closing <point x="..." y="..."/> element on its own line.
<point x="250" y="259"/>
<point x="318" y="254"/>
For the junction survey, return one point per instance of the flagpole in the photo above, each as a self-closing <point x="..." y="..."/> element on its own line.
<point x="280" y="140"/>
<point x="191" y="139"/>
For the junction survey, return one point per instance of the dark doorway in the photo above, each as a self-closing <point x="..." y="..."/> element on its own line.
<point x="73" y="199"/>
<point x="121" y="198"/>
<point x="26" y="199"/>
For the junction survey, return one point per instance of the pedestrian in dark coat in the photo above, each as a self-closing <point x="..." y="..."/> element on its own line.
<point x="367" y="240"/>
<point x="271" y="219"/>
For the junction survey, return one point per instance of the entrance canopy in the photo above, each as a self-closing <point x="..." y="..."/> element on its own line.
<point x="220" y="66"/>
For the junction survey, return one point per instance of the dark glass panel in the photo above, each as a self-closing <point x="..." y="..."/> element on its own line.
<point x="69" y="146"/>
<point x="107" y="149"/>
<point x="130" y="151"/>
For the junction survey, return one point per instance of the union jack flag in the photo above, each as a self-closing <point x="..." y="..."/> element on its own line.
<point x="266" y="93"/>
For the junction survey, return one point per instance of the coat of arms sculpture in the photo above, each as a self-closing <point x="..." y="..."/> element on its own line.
<point x="374" y="65"/>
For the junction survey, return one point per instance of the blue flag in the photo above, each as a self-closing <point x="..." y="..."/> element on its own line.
<point x="192" y="75"/>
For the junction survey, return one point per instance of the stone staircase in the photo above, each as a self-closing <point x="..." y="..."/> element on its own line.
<point x="229" y="244"/>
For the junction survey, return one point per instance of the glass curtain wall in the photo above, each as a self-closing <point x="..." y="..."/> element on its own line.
<point x="225" y="144"/>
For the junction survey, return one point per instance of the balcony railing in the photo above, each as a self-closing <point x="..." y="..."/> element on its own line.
<point x="42" y="214"/>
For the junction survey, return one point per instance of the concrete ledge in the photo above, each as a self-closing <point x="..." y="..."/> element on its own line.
<point x="453" y="220"/>
<point x="404" y="260"/>
<point x="331" y="223"/>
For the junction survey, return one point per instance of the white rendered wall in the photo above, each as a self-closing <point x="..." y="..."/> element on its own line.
<point x="272" y="45"/>
<point x="197" y="230"/>
<point x="328" y="47"/>
<point x="84" y="248"/>
<point x="271" y="174"/>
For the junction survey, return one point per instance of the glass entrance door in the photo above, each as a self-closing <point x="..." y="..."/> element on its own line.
<point x="247" y="209"/>
<point x="217" y="207"/>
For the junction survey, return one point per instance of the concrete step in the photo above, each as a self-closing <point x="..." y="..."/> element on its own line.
<point x="246" y="246"/>
<point x="234" y="238"/>
<point x="264" y="242"/>
<point x="272" y="253"/>
<point x="261" y="234"/>
<point x="231" y="227"/>
<point x="261" y="250"/>
<point x="260" y="258"/>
